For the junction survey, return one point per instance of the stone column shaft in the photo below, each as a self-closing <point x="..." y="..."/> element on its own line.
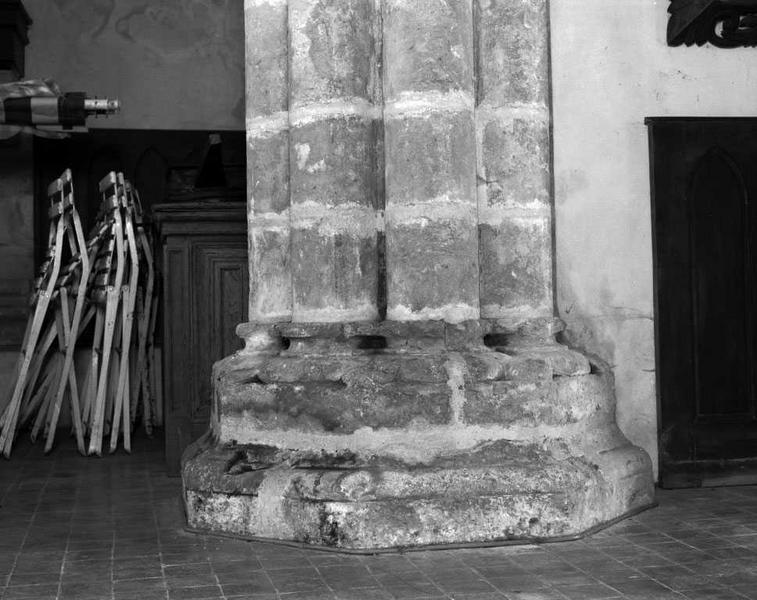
<point x="514" y="163"/>
<point x="267" y="89"/>
<point x="335" y="154"/>
<point x="431" y="256"/>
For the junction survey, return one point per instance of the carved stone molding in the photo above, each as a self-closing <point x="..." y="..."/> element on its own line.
<point x="723" y="23"/>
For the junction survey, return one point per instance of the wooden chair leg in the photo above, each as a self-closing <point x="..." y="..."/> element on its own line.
<point x="9" y="428"/>
<point x="36" y="399"/>
<point x="67" y="378"/>
<point x="43" y="413"/>
<point x="93" y="371"/>
<point x="115" y="365"/>
<point x="38" y="362"/>
<point x="123" y="366"/>
<point x="111" y="310"/>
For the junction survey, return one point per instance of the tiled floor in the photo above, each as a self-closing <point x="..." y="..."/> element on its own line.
<point x="111" y="528"/>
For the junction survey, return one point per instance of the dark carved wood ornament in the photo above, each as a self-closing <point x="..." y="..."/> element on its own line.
<point x="723" y="23"/>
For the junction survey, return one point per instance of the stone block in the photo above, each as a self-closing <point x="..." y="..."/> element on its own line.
<point x="268" y="173"/>
<point x="526" y="368"/>
<point x="512" y="403"/>
<point x="335" y="161"/>
<point x="495" y="492"/>
<point x="266" y="51"/>
<point x="485" y="366"/>
<point x="334" y="50"/>
<point x="431" y="267"/>
<point x="582" y="396"/>
<point x="516" y="268"/>
<point x="423" y="369"/>
<point x="336" y="407"/>
<point x="271" y="285"/>
<point x="428" y="46"/>
<point x="515" y="162"/>
<point x="513" y="51"/>
<point x="430" y="157"/>
<point x="534" y="331"/>
<point x="535" y="399"/>
<point x="467" y="335"/>
<point x="334" y="276"/>
<point x="561" y="360"/>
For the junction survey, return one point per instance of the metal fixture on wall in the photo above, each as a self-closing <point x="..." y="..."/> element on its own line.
<point x="722" y="23"/>
<point x="40" y="105"/>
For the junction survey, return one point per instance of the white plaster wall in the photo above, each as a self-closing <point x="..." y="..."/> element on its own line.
<point x="611" y="68"/>
<point x="174" y="64"/>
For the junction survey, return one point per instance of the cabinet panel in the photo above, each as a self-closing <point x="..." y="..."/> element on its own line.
<point x="205" y="290"/>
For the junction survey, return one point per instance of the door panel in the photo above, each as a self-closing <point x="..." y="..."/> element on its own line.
<point x="718" y="205"/>
<point x="703" y="182"/>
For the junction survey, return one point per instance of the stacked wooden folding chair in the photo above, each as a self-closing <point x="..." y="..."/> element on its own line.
<point x="106" y="294"/>
<point x="53" y="317"/>
<point x="141" y="397"/>
<point x="107" y="279"/>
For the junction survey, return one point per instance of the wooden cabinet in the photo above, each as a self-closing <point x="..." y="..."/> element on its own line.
<point x="205" y="287"/>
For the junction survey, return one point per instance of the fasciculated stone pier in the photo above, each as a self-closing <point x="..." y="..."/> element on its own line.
<point x="401" y="384"/>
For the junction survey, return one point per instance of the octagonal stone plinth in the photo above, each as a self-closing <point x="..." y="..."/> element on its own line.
<point x="370" y="436"/>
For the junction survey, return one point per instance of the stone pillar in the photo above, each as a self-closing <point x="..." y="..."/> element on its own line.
<point x="267" y="122"/>
<point x="431" y="240"/>
<point x="337" y="427"/>
<point x="335" y="149"/>
<point x="514" y="168"/>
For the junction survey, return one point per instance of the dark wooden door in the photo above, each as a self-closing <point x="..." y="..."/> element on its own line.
<point x="704" y="189"/>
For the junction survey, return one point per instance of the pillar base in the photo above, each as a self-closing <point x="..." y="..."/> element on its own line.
<point x="370" y="436"/>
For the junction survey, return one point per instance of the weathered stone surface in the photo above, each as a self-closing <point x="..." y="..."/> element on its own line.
<point x="268" y="169"/>
<point x="512" y="121"/>
<point x="533" y="331"/>
<point x="332" y="459"/>
<point x="515" y="161"/>
<point x="314" y="330"/>
<point x="518" y="277"/>
<point x="266" y="102"/>
<point x="440" y="36"/>
<point x="433" y="272"/>
<point x="561" y="360"/>
<point x="337" y="406"/>
<point x="260" y="337"/>
<point x="334" y="50"/>
<point x="335" y="161"/>
<point x="432" y="157"/>
<point x="335" y="152"/>
<point x="266" y="83"/>
<point x="500" y="491"/>
<point x="271" y="287"/>
<point x="511" y="402"/>
<point x="466" y="335"/>
<point x="536" y="402"/>
<point x="513" y="52"/>
<point x="334" y="276"/>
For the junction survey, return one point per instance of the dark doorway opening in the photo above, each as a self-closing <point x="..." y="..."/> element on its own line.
<point x="704" y="220"/>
